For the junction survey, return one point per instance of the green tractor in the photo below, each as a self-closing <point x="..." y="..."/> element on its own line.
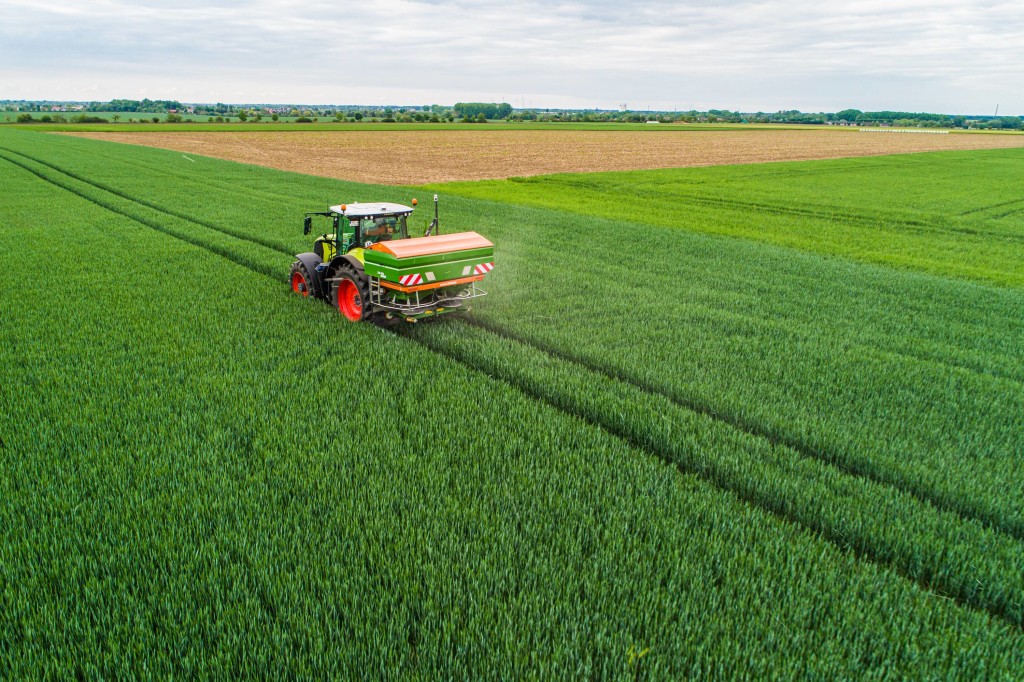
<point x="370" y="268"/>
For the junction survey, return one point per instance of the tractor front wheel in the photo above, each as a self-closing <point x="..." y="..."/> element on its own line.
<point x="301" y="281"/>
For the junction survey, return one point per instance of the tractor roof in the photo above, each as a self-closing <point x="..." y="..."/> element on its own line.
<point x="366" y="210"/>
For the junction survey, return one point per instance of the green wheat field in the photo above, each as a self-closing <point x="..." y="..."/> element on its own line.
<point x="757" y="422"/>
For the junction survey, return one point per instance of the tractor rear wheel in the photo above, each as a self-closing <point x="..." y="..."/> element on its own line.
<point x="302" y="283"/>
<point x="351" y="295"/>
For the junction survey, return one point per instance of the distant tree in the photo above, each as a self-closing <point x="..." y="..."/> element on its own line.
<point x="116" y="117"/>
<point x="156" y="119"/>
<point x="481" y="117"/>
<point x="242" y="115"/>
<point x="174" y="118"/>
<point x="488" y="109"/>
<point x="274" y="117"/>
<point x="24" y="118"/>
<point x="358" y="116"/>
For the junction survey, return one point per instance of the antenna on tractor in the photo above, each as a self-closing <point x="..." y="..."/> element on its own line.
<point x="434" y="225"/>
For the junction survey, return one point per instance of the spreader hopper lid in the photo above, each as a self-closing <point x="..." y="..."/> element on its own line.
<point x="428" y="246"/>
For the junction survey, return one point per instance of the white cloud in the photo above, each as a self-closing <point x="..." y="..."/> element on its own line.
<point x="906" y="54"/>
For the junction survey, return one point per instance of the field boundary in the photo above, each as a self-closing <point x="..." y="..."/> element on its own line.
<point x="424" y="156"/>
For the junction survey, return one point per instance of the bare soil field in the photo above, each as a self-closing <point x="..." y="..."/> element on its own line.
<point x="415" y="157"/>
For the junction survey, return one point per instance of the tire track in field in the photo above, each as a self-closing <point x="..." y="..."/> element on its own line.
<point x="798" y="329"/>
<point x="863" y="470"/>
<point x="854" y="219"/>
<point x="1009" y="213"/>
<point x="212" y="182"/>
<point x="989" y="207"/>
<point x="935" y="581"/>
<point x="189" y="239"/>
<point x="928" y="585"/>
<point x="966" y="512"/>
<point x="255" y="239"/>
<point x="788" y="323"/>
<point x="837" y="216"/>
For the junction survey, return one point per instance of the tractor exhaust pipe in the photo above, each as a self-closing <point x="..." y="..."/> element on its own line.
<point x="434" y="225"/>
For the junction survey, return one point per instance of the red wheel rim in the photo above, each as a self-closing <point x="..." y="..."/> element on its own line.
<point x="299" y="285"/>
<point x="350" y="303"/>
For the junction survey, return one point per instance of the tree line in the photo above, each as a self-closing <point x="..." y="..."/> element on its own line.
<point x="476" y="112"/>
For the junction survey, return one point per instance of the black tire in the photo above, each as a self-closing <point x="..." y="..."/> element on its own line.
<point x="362" y="285"/>
<point x="306" y="265"/>
<point x="301" y="280"/>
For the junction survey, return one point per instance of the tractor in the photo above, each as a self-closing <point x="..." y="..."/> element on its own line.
<point x="371" y="269"/>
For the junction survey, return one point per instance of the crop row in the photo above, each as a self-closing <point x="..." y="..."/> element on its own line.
<point x="944" y="322"/>
<point x="911" y="379"/>
<point x="961" y="558"/>
<point x="202" y="474"/>
<point x="937" y="549"/>
<point x="1000" y="594"/>
<point x="949" y="432"/>
<point x="730" y="332"/>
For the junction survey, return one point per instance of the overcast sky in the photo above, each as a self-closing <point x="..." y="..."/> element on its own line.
<point x="952" y="56"/>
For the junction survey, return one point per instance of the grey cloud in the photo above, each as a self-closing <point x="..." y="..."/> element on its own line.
<point x="959" y="56"/>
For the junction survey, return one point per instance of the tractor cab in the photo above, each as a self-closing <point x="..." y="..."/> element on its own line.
<point x="371" y="223"/>
<point x="359" y="226"/>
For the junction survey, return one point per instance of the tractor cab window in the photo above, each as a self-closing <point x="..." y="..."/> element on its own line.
<point x="384" y="228"/>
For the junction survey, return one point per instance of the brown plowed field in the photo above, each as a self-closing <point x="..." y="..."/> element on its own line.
<point x="416" y="157"/>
